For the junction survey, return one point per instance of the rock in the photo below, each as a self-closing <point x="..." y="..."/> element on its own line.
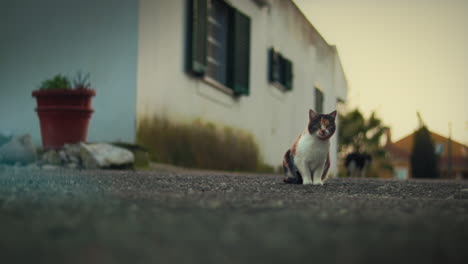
<point x="72" y="150"/>
<point x="72" y="154"/>
<point x="94" y="156"/>
<point x="19" y="149"/>
<point x="141" y="154"/>
<point x="63" y="156"/>
<point x="51" y="157"/>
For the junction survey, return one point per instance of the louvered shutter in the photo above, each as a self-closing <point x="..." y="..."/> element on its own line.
<point x="272" y="65"/>
<point x="282" y="69"/>
<point x="197" y="31"/>
<point x="318" y="101"/>
<point x="240" y="53"/>
<point x="289" y="74"/>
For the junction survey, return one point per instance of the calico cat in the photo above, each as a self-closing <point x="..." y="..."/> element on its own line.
<point x="308" y="160"/>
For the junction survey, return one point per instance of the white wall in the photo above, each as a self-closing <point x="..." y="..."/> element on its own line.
<point x="39" y="39"/>
<point x="274" y="117"/>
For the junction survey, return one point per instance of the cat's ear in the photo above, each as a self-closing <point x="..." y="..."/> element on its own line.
<point x="313" y="115"/>
<point x="333" y="115"/>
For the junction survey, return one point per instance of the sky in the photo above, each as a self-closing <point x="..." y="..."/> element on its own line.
<point x="401" y="57"/>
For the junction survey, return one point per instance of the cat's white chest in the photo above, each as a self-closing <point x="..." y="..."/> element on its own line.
<point x="312" y="150"/>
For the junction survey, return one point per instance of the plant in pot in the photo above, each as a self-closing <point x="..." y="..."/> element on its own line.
<point x="64" y="110"/>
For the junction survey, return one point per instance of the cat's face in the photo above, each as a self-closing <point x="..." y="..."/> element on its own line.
<point x="322" y="125"/>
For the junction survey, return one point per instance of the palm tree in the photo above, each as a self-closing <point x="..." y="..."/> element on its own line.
<point x="361" y="135"/>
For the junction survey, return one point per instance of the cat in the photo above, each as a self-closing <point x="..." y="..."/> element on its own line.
<point x="308" y="160"/>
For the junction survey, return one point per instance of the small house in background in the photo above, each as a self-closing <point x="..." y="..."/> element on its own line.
<point x="400" y="156"/>
<point x="254" y="65"/>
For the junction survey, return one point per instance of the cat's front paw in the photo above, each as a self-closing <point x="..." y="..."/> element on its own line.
<point x="307" y="182"/>
<point x="318" y="183"/>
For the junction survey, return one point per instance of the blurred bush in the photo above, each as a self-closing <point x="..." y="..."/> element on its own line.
<point x="200" y="145"/>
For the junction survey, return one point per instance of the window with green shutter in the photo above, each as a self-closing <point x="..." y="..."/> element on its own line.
<point x="280" y="69"/>
<point x="219" y="44"/>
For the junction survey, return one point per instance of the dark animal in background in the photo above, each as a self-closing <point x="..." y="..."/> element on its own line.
<point x="357" y="163"/>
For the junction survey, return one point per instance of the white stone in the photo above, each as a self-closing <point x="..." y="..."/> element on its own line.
<point x="72" y="150"/>
<point x="19" y="149"/>
<point x="63" y="156"/>
<point x="51" y="157"/>
<point x="74" y="159"/>
<point x="103" y="155"/>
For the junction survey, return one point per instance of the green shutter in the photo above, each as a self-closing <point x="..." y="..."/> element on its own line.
<point x="274" y="65"/>
<point x="318" y="101"/>
<point x="272" y="68"/>
<point x="240" y="53"/>
<point x="289" y="74"/>
<point x="282" y="69"/>
<point x="197" y="31"/>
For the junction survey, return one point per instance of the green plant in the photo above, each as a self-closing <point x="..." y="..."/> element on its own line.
<point x="81" y="81"/>
<point x="358" y="134"/>
<point x="62" y="82"/>
<point x="58" y="82"/>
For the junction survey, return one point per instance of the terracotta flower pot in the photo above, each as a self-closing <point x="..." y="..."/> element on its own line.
<point x="64" y="116"/>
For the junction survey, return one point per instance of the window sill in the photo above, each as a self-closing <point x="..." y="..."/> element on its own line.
<point x="280" y="87"/>
<point x="221" y="87"/>
<point x="215" y="92"/>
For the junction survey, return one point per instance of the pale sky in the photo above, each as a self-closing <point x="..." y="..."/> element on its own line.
<point x="400" y="57"/>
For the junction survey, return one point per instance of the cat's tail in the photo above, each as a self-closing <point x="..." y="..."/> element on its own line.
<point x="288" y="178"/>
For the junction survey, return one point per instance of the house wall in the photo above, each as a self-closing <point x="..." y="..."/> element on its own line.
<point x="274" y="117"/>
<point x="42" y="38"/>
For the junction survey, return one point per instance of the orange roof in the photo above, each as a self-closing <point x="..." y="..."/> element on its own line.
<point x="458" y="150"/>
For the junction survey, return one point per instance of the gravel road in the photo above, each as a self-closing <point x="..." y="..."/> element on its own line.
<point x="186" y="216"/>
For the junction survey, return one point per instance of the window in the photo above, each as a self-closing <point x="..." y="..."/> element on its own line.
<point x="219" y="44"/>
<point x="280" y="69"/>
<point x="318" y="100"/>
<point x="217" y="35"/>
<point x="401" y="173"/>
<point x="439" y="148"/>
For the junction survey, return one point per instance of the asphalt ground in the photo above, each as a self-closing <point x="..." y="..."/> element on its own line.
<point x="185" y="216"/>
